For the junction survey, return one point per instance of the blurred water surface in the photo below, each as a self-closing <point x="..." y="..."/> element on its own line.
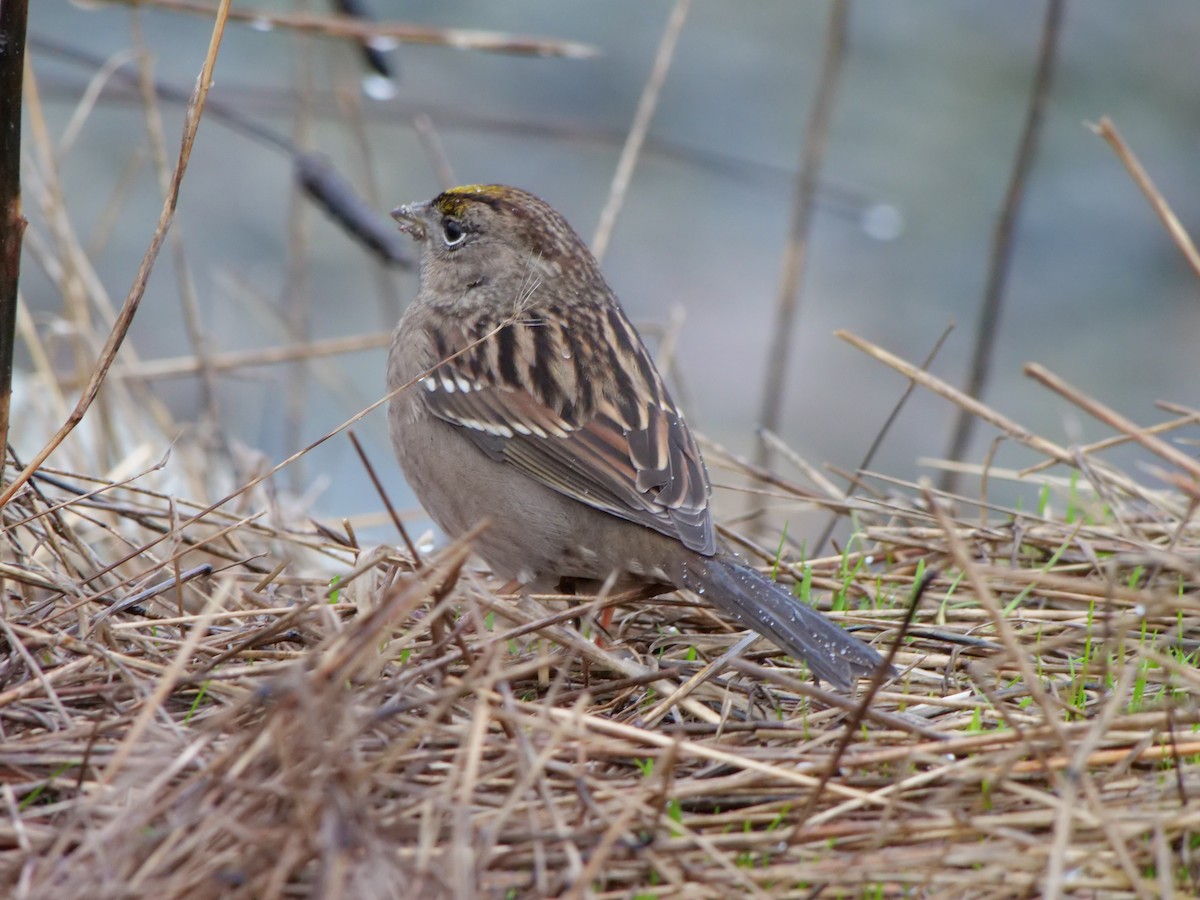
<point x="929" y="111"/>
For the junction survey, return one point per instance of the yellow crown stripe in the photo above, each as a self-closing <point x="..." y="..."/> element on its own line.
<point x="454" y="201"/>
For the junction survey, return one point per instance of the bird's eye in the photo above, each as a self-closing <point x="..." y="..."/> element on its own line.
<point x="453" y="232"/>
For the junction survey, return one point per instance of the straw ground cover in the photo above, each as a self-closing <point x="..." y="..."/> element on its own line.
<point x="219" y="697"/>
<point x="202" y="702"/>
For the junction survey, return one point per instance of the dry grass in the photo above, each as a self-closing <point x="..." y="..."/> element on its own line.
<point x="249" y="733"/>
<point x="227" y="700"/>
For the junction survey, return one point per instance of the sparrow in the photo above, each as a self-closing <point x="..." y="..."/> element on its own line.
<point x="534" y="404"/>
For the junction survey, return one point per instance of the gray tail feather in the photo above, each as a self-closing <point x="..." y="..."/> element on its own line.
<point x="832" y="654"/>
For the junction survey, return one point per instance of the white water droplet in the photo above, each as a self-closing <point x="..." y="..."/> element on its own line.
<point x="378" y="87"/>
<point x="883" y="222"/>
<point x="383" y="43"/>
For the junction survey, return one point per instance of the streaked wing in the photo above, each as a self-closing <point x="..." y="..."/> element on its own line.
<point x="553" y="404"/>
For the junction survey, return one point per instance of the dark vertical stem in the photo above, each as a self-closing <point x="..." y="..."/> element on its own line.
<point x="1002" y="237"/>
<point x="818" y="546"/>
<point x="133" y="300"/>
<point x="816" y="139"/>
<point x="13" y="15"/>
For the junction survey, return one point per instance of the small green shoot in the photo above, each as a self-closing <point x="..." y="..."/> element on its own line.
<point x="777" y="561"/>
<point x="32" y="797"/>
<point x="675" y="814"/>
<point x="200" y="694"/>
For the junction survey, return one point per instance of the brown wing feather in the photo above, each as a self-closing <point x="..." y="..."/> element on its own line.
<point x="632" y="456"/>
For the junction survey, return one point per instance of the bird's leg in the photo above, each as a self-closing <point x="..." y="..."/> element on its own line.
<point x="444" y="626"/>
<point x="568" y="586"/>
<point x="510" y="588"/>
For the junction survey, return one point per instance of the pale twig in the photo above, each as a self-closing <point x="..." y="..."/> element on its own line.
<point x="189" y="305"/>
<point x="1080" y="765"/>
<point x="1111" y="417"/>
<point x="294" y="302"/>
<point x="819" y="545"/>
<point x="1116" y="441"/>
<point x="428" y="135"/>
<point x="641" y="124"/>
<point x="1107" y="130"/>
<point x="166" y="683"/>
<point x="1013" y="429"/>
<point x="136" y="292"/>
<point x="278" y="467"/>
<point x="1004" y="629"/>
<point x="179" y="366"/>
<point x="348" y="27"/>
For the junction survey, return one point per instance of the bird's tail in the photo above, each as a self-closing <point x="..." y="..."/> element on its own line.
<point x="831" y="653"/>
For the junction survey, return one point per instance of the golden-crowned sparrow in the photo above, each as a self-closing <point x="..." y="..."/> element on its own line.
<point x="539" y="408"/>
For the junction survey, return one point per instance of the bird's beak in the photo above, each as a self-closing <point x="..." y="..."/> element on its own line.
<point x="412" y="218"/>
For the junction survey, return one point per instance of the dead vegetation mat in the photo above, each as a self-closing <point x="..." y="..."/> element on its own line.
<point x="195" y="703"/>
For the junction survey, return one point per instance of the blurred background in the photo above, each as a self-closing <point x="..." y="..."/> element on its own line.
<point x="927" y="118"/>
